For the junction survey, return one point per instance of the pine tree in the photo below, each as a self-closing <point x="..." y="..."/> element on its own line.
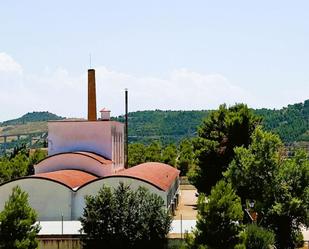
<point x="17" y="223"/>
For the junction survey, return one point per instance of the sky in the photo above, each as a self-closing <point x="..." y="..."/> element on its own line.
<point x="171" y="55"/>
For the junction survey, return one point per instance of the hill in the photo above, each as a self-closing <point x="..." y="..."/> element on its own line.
<point x="291" y="123"/>
<point x="165" y="126"/>
<point x="31" y="117"/>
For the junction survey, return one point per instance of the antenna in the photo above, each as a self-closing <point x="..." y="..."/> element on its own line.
<point x="126" y="147"/>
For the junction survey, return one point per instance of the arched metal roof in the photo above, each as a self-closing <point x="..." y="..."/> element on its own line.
<point x="70" y="178"/>
<point x="102" y="160"/>
<point x="159" y="175"/>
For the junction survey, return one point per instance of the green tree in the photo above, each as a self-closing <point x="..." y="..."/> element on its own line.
<point x="256" y="237"/>
<point x="169" y="155"/>
<point x="279" y="185"/>
<point x="220" y="133"/>
<point x="289" y="209"/>
<point x="35" y="158"/>
<point x="17" y="223"/>
<point x="14" y="167"/>
<point x="125" y="218"/>
<point x="136" y="154"/>
<point x="153" y="152"/>
<point x="185" y="159"/>
<point x="219" y="217"/>
<point x="254" y="169"/>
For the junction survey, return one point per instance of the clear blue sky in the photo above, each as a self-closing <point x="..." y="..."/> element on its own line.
<point x="254" y="51"/>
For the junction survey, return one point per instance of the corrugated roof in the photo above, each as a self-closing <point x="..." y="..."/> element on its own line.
<point x="158" y="174"/>
<point x="70" y="178"/>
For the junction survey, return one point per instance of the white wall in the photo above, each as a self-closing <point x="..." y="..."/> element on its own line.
<point x="49" y="199"/>
<point x="93" y="136"/>
<point x="93" y="189"/>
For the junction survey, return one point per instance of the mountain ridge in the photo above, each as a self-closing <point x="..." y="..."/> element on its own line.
<point x="290" y="122"/>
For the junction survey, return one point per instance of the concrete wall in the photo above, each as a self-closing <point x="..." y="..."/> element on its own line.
<point x="49" y="199"/>
<point x="73" y="161"/>
<point x="59" y="242"/>
<point x="94" y="136"/>
<point x="93" y="188"/>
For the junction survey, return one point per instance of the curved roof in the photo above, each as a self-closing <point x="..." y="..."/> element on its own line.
<point x="70" y="178"/>
<point x="159" y="174"/>
<point x="91" y="155"/>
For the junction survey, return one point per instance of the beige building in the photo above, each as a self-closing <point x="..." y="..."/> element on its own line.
<point x="82" y="157"/>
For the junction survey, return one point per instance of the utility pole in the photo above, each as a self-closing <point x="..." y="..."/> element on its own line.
<point x="126" y="144"/>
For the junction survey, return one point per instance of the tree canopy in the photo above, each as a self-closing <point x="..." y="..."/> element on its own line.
<point x="19" y="164"/>
<point x="219" y="216"/>
<point x="221" y="132"/>
<point x="125" y="218"/>
<point x="279" y="185"/>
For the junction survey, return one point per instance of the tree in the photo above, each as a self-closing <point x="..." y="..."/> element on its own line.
<point x="220" y="133"/>
<point x="289" y="209"/>
<point x="125" y="218"/>
<point x="256" y="237"/>
<point x="253" y="170"/>
<point x="14" y="167"/>
<point x="169" y="155"/>
<point x="153" y="152"/>
<point x="219" y="217"/>
<point x="17" y="223"/>
<point x="136" y="154"/>
<point x="279" y="185"/>
<point x="185" y="156"/>
<point x="37" y="156"/>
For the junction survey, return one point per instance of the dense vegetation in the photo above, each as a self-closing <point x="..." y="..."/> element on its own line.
<point x="260" y="180"/>
<point x="19" y="163"/>
<point x="291" y="123"/>
<point x="32" y="117"/>
<point x="125" y="218"/>
<point x="164" y="126"/>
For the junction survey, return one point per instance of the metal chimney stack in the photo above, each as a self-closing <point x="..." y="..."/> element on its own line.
<point x="92" y="103"/>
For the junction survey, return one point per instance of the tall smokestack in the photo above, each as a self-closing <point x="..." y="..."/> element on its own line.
<point x="92" y="103"/>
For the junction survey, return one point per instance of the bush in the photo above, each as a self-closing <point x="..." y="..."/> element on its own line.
<point x="255" y="237"/>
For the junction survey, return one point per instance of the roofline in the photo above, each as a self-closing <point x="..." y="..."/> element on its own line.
<point x="83" y="121"/>
<point x="78" y="153"/>
<point x="36" y="177"/>
<point x="121" y="176"/>
<point x="49" y="179"/>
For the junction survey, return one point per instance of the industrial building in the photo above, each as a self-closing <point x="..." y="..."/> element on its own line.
<point x="83" y="156"/>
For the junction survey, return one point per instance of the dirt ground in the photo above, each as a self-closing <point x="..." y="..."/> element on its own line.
<point x="187" y="205"/>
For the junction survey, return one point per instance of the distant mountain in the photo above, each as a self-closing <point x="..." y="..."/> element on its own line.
<point x="165" y="126"/>
<point x="291" y="123"/>
<point x="32" y="117"/>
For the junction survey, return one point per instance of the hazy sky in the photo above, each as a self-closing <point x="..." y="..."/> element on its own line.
<point x="170" y="54"/>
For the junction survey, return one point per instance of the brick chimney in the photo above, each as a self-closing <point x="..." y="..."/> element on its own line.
<point x="92" y="103"/>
